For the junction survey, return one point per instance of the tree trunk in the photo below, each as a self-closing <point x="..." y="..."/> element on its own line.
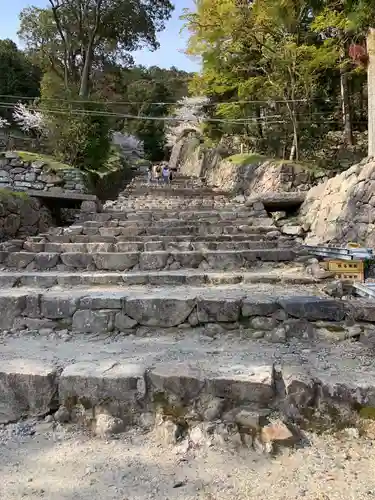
<point x="294" y="150"/>
<point x="259" y="121"/>
<point x="86" y="72"/>
<point x="371" y="91"/>
<point x="345" y="106"/>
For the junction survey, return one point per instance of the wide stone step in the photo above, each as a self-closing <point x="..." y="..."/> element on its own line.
<point x="124" y="261"/>
<point x="50" y="279"/>
<point x="147" y="246"/>
<point x="85" y="238"/>
<point x="196" y="229"/>
<point x="41" y="239"/>
<point x="124" y="226"/>
<point x="178" y="192"/>
<point x="130" y="376"/>
<point x="172" y="222"/>
<point x="263" y="308"/>
<point x="114" y="227"/>
<point x="156" y="215"/>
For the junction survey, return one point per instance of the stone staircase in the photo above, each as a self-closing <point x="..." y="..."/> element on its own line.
<point x="174" y="296"/>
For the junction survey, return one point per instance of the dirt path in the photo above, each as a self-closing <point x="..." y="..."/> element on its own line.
<point x="67" y="464"/>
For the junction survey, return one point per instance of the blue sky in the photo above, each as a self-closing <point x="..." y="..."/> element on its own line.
<point x="171" y="42"/>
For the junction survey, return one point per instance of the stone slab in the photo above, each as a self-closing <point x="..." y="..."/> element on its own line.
<point x="61" y="195"/>
<point x="187" y="382"/>
<point x="28" y="387"/>
<point x="314" y="309"/>
<point x="279" y="201"/>
<point x="115" y="386"/>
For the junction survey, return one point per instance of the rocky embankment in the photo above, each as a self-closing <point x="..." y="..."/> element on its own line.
<point x="342" y="209"/>
<point x="22" y="216"/>
<point x="248" y="174"/>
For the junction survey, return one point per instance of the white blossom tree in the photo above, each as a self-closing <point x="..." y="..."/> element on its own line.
<point x="128" y="144"/>
<point x="190" y="116"/>
<point x="4" y="123"/>
<point x="4" y="132"/>
<point x="29" y="120"/>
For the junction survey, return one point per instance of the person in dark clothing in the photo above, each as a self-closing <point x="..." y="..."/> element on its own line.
<point x="170" y="176"/>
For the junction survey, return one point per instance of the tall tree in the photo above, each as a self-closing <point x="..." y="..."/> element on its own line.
<point x="336" y="21"/>
<point x="149" y="97"/>
<point x="18" y="76"/>
<point x="260" y="50"/>
<point x="75" y="37"/>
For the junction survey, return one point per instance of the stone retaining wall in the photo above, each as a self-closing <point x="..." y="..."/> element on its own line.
<point x="22" y="216"/>
<point x="20" y="175"/>
<point x="343" y="208"/>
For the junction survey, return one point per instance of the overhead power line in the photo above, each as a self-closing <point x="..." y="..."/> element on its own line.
<point x="249" y="101"/>
<point x="266" y="120"/>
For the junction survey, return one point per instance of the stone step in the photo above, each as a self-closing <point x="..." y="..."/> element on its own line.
<point x="262" y="222"/>
<point x="173" y="222"/>
<point x="165" y="214"/>
<point x="255" y="307"/>
<point x="150" y="246"/>
<point x="131" y="378"/>
<point x="123" y="227"/>
<point x="135" y="233"/>
<point x="193" y="229"/>
<point x="50" y="279"/>
<point x="146" y="261"/>
<point x="85" y="238"/>
<point x="167" y="191"/>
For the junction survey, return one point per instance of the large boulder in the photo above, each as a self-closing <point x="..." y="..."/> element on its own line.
<point x="342" y="209"/>
<point x="186" y="155"/>
<point x="247" y="173"/>
<point x="253" y="174"/>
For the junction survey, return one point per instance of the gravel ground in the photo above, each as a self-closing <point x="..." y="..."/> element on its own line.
<point x="68" y="464"/>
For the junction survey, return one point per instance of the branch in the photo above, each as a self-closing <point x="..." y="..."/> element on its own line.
<point x="99" y="4"/>
<point x="55" y="7"/>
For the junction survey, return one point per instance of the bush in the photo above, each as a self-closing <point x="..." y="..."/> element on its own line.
<point x="80" y="137"/>
<point x="78" y="132"/>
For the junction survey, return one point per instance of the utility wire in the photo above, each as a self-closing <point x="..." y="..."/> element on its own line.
<point x="140" y="117"/>
<point x="265" y="120"/>
<point x="267" y="101"/>
<point x="268" y="119"/>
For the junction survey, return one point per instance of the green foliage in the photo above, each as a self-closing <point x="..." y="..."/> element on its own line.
<point x="80" y="137"/>
<point x="78" y="131"/>
<point x="18" y="75"/>
<point x="245" y="158"/>
<point x="142" y="87"/>
<point x="50" y="162"/>
<point x="151" y="132"/>
<point x="287" y="63"/>
<point x="105" y="33"/>
<point x="6" y="194"/>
